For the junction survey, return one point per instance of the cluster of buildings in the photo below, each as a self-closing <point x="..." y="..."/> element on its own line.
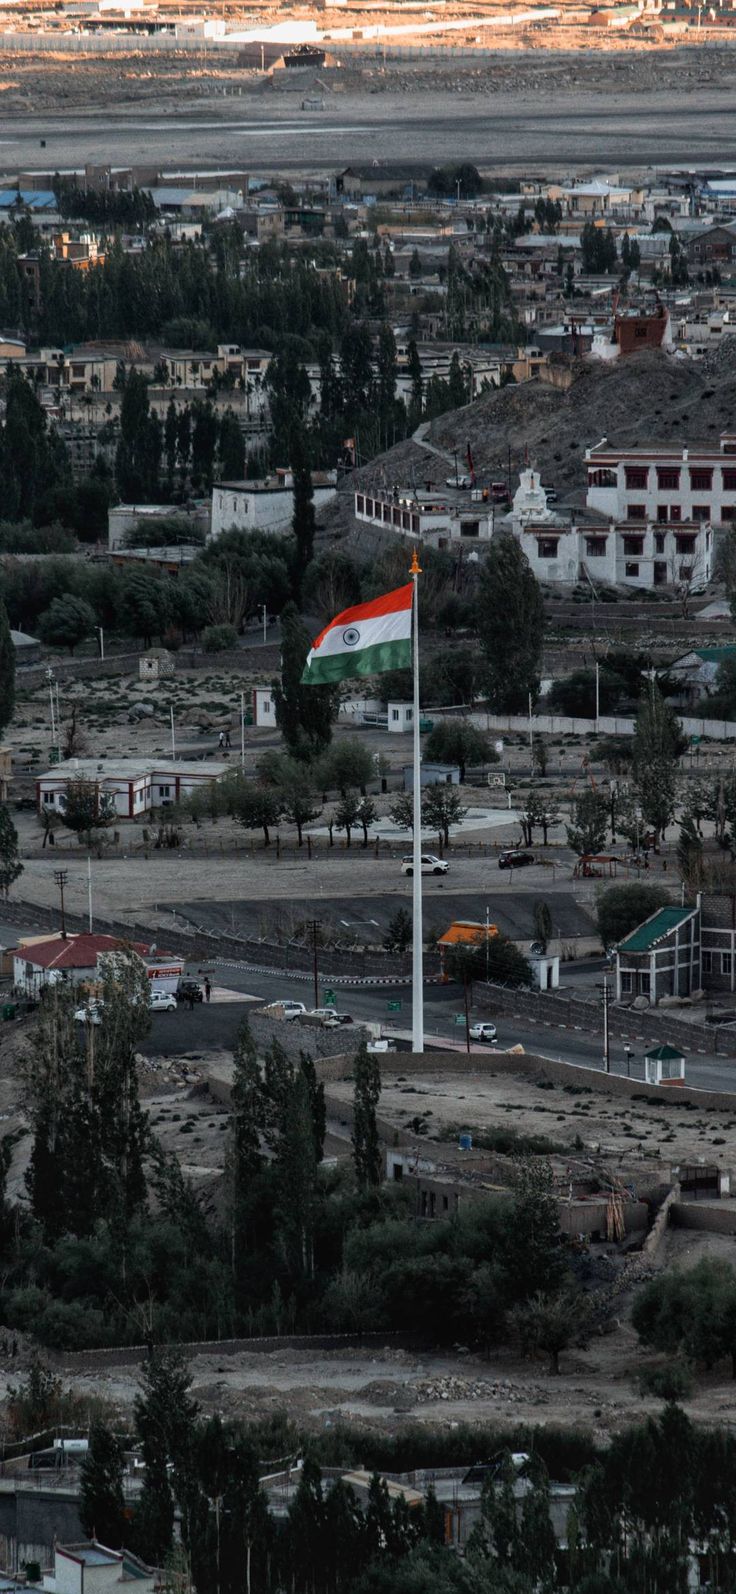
<point x="649" y="519"/>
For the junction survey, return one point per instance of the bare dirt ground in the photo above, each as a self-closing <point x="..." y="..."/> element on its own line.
<point x="597" y="1388"/>
<point x="577" y="1120"/>
<point x="551" y="102"/>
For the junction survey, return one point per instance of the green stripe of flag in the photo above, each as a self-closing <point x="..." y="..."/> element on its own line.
<point x="364" y="661"/>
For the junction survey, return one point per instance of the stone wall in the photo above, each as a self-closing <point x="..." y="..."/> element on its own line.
<point x="712" y="1217"/>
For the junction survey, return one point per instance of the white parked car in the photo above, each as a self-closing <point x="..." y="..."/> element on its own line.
<point x="288" y="1008"/>
<point x="162" y="1002"/>
<point x="430" y="864"/>
<point x="91" y="1013"/>
<point x="483" y="1032"/>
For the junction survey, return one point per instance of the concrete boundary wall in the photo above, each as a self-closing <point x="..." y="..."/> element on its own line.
<point x="250" y="660"/>
<point x="565" y="725"/>
<point x="650" y="1026"/>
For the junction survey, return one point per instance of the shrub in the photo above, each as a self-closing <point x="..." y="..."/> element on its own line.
<point x="219" y="638"/>
<point x="671" y="1382"/>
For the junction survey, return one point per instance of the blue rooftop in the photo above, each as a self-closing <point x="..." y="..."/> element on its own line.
<point x="34" y="198"/>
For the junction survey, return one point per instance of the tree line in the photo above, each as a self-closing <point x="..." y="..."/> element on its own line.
<point x="646" y="1514"/>
<point x="116" y="1247"/>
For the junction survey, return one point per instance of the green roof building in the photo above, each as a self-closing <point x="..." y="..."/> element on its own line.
<point x="661" y="957"/>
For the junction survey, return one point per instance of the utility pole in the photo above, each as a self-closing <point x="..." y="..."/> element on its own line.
<point x="50" y="679"/>
<point x="606" y="1037"/>
<point x="314" y="925"/>
<point x="61" y="876"/>
<point x="488" y="947"/>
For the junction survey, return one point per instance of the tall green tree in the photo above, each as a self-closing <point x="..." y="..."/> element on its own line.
<point x="458" y="741"/>
<point x="165" y="1416"/>
<point x="245" y="1159"/>
<point x="66" y="622"/>
<point x="7" y="670"/>
<point x="11" y="867"/>
<point x="442" y="806"/>
<point x="690" y="854"/>
<point x="138" y="457"/>
<point x="366" y="1095"/>
<point x="231" y="448"/>
<point x="304" y="714"/>
<point x="589" y="828"/>
<point x="510" y="626"/>
<point x="620" y="909"/>
<point x="296" y="1177"/>
<point x="658" y="742"/>
<point x="101" y="1499"/>
<point x="303" y="522"/>
<point x="317" y="1108"/>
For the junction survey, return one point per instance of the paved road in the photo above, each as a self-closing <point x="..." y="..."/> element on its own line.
<point x="216" y="1025"/>
<point x="443" y="1005"/>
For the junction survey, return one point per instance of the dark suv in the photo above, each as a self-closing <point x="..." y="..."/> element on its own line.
<point x="189" y="991"/>
<point x="515" y="859"/>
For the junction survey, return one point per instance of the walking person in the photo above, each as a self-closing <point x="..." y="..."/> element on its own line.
<point x="207" y="989"/>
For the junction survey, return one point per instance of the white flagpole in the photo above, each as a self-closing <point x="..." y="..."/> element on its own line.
<point x="417" y="1023"/>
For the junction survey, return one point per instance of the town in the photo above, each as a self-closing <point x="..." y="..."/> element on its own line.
<point x="367" y="730"/>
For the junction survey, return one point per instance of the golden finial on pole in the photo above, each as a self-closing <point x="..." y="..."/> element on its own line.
<point x="415" y="568"/>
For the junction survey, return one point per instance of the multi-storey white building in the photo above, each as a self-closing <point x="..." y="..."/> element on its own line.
<point x="568" y="546"/>
<point x="664" y="486"/>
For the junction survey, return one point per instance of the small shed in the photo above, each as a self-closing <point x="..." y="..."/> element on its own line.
<point x="664" y="1065"/>
<point x="400" y="718"/>
<point x="545" y="969"/>
<point x="432" y="775"/>
<point x="264" y="706"/>
<point x="156" y="665"/>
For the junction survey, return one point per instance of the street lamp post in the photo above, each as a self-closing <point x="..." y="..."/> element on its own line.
<point x="604" y="988"/>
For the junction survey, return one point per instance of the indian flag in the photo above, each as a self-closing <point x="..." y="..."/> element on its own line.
<point x="365" y="640"/>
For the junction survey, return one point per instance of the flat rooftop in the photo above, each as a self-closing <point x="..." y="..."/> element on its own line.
<point x="95" y="769"/>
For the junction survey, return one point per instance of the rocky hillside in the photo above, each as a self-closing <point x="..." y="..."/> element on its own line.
<point x="646" y="398"/>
